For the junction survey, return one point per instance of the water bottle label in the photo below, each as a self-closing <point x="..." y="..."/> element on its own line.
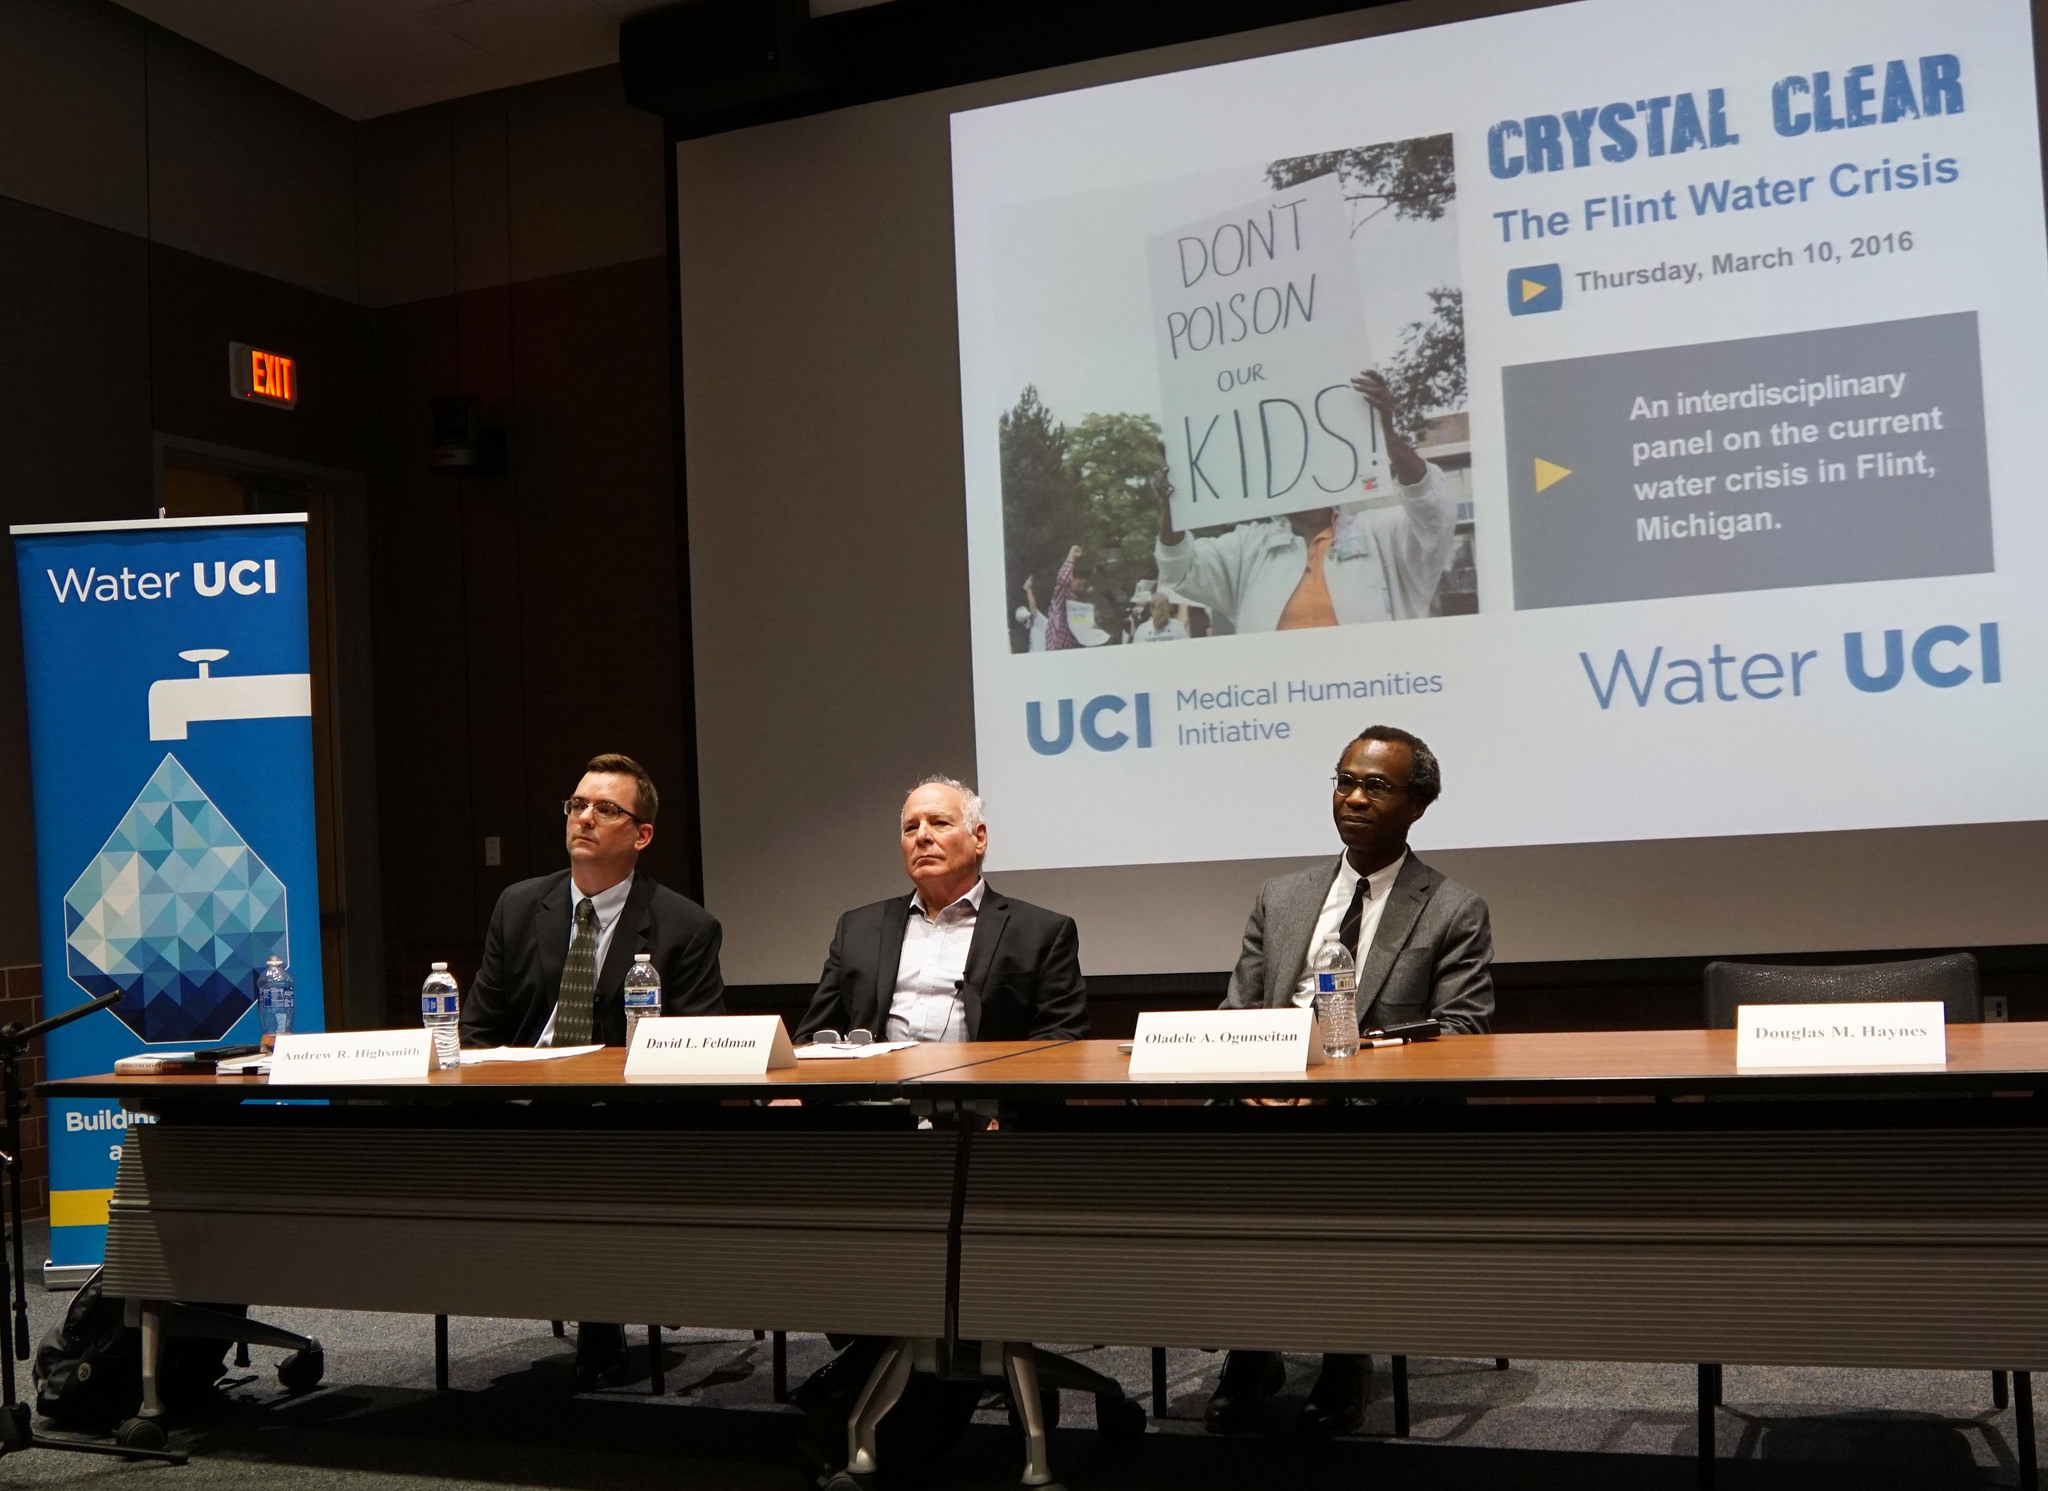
<point x="1336" y="983"/>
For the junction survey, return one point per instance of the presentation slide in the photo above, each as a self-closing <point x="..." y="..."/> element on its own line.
<point x="1638" y="401"/>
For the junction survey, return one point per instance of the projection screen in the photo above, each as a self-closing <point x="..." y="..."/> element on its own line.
<point x="1688" y="510"/>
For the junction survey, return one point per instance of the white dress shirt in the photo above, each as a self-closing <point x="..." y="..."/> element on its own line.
<point x="927" y="1005"/>
<point x="607" y="904"/>
<point x="1335" y="904"/>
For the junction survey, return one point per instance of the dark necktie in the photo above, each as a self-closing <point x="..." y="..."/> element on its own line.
<point x="1354" y="917"/>
<point x="573" y="1004"/>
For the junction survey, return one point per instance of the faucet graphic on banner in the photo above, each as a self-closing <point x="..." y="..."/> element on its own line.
<point x="175" y="703"/>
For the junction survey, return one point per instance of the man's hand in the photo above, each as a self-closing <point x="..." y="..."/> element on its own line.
<point x="1162" y="485"/>
<point x="1408" y="467"/>
<point x="1073" y="553"/>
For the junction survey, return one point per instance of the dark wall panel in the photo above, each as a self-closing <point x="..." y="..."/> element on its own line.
<point x="420" y="642"/>
<point x="528" y="620"/>
<point x="600" y="636"/>
<point x="74" y="446"/>
<point x="71" y="110"/>
<point x="247" y="172"/>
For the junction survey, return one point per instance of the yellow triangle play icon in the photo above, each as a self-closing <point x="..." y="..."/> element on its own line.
<point x="1549" y="474"/>
<point x="1531" y="289"/>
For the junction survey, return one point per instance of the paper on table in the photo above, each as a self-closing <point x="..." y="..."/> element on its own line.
<point x="848" y="1053"/>
<point x="239" y="1066"/>
<point x="524" y="1053"/>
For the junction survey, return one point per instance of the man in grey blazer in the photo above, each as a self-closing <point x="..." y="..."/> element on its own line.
<point x="1424" y="949"/>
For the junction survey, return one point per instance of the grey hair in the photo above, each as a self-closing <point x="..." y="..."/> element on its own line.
<point x="970" y="800"/>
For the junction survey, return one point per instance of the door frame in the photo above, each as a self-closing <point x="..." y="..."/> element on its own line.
<point x="356" y="923"/>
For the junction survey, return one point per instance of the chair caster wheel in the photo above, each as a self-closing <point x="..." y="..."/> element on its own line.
<point x="140" y="1434"/>
<point x="846" y="1480"/>
<point x="1120" y="1421"/>
<point x="302" y="1370"/>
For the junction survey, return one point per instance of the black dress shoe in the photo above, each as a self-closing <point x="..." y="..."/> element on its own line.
<point x="1249" y="1378"/>
<point x="1336" y="1404"/>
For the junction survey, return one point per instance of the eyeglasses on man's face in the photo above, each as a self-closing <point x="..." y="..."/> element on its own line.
<point x="604" y="810"/>
<point x="1378" y="788"/>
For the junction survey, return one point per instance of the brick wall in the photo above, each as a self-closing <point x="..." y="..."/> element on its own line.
<point x="21" y="1003"/>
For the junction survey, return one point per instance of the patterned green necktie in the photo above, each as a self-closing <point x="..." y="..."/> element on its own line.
<point x="574" y="1003"/>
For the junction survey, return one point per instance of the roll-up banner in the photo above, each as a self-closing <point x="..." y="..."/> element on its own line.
<point x="170" y="709"/>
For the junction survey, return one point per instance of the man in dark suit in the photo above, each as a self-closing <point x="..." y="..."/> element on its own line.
<point x="558" y="947"/>
<point x="600" y="912"/>
<point x="1424" y="949"/>
<point x="956" y="960"/>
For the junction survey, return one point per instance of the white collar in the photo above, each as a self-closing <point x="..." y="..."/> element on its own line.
<point x="606" y="903"/>
<point x="1378" y="883"/>
<point x="972" y="898"/>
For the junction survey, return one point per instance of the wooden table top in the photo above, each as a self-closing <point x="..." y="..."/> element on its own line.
<point x="1559" y="1064"/>
<point x="598" y="1075"/>
<point x="1563" y="1064"/>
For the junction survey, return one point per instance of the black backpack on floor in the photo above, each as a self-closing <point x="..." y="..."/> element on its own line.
<point x="88" y="1366"/>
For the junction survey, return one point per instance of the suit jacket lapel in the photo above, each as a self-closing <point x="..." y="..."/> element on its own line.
<point x="551" y="926"/>
<point x="989" y="922"/>
<point x="1405" y="901"/>
<point x="628" y="937"/>
<point x="894" y="915"/>
<point x="1288" y="931"/>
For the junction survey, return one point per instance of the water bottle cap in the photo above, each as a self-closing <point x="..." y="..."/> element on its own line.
<point x="643" y="957"/>
<point x="440" y="968"/>
<point x="273" y="961"/>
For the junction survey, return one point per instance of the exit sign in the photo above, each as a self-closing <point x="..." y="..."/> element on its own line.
<point x="261" y="377"/>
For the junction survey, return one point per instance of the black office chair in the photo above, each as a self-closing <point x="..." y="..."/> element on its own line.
<point x="1951" y="979"/>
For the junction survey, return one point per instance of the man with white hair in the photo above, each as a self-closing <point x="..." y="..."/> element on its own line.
<point x="956" y="960"/>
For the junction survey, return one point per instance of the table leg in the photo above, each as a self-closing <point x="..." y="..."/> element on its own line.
<point x="440" y="1353"/>
<point x="1398" y="1368"/>
<point x="2023" y="1428"/>
<point x="1710" y="1398"/>
<point x="1159" y="1382"/>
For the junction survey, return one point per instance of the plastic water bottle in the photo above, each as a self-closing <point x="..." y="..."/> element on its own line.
<point x="1337" y="998"/>
<point x="274" y="999"/>
<point x="643" y="992"/>
<point x="441" y="1012"/>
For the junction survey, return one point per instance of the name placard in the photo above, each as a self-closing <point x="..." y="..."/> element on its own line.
<point x="1840" y="1035"/>
<point x="666" y="1048"/>
<point x="1180" y="1043"/>
<point x="351" y="1056"/>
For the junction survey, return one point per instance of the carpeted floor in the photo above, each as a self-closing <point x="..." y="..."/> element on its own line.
<point x="511" y="1418"/>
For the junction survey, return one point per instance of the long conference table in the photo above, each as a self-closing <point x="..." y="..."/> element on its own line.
<point x="1623" y="1196"/>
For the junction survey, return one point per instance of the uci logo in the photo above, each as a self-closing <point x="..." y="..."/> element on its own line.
<point x="1942" y="672"/>
<point x="1101" y="719"/>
